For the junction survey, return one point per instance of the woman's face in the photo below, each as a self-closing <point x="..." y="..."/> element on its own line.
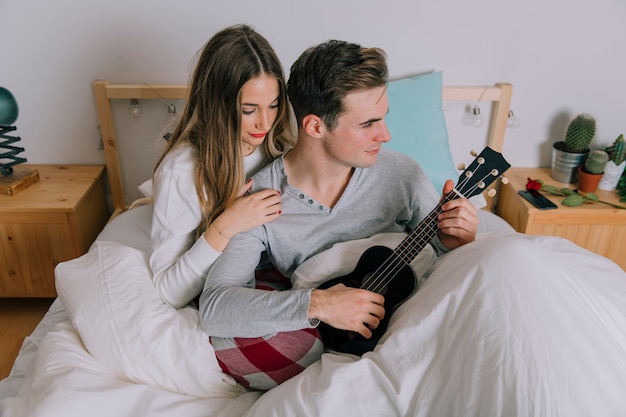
<point x="259" y="109"/>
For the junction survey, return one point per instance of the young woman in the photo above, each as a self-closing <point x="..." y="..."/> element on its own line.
<point x="237" y="118"/>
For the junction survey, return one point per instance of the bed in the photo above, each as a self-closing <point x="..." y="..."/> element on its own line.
<point x="480" y="337"/>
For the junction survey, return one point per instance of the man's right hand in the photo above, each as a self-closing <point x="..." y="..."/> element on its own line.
<point x="348" y="308"/>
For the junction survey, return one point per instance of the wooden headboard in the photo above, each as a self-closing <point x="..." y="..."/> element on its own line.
<point x="499" y="94"/>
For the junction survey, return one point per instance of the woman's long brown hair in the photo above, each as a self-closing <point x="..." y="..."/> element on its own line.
<point x="211" y="121"/>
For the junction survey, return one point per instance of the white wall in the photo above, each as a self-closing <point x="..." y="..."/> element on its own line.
<point x="563" y="57"/>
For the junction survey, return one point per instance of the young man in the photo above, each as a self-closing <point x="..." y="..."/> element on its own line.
<point x="337" y="184"/>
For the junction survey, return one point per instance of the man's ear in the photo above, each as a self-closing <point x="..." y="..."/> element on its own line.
<point x="313" y="125"/>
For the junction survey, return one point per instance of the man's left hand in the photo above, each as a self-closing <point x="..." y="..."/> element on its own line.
<point x="458" y="221"/>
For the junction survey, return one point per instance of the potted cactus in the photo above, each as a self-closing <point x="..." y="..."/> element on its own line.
<point x="590" y="174"/>
<point x="571" y="153"/>
<point x="615" y="167"/>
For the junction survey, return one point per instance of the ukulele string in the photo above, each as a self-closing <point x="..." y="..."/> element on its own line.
<point x="408" y="250"/>
<point x="430" y="229"/>
<point x="393" y="264"/>
<point x="456" y="193"/>
<point x="383" y="275"/>
<point x="387" y="271"/>
<point x="382" y="280"/>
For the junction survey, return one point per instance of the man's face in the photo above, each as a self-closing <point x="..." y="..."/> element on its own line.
<point x="360" y="130"/>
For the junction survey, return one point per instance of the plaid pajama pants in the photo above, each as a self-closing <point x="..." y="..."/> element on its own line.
<point x="263" y="362"/>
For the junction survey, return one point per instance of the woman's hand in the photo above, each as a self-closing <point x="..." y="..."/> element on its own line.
<point x="248" y="211"/>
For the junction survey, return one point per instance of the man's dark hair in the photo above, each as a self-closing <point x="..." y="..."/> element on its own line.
<point x="324" y="74"/>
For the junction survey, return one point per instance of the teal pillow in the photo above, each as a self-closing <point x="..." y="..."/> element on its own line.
<point x="418" y="127"/>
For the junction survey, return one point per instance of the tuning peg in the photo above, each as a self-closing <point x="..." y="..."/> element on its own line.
<point x="461" y="166"/>
<point x="491" y="192"/>
<point x="504" y="180"/>
<point x="473" y="153"/>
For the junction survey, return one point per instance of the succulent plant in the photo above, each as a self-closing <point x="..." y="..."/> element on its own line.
<point x="580" y="133"/>
<point x="617" y="151"/>
<point x="596" y="161"/>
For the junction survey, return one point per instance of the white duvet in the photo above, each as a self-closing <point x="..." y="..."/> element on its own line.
<point x="486" y="335"/>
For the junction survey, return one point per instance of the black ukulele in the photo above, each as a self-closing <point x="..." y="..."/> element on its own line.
<point x="388" y="272"/>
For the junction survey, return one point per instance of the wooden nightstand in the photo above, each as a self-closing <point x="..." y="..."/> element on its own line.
<point x="597" y="227"/>
<point x="51" y="221"/>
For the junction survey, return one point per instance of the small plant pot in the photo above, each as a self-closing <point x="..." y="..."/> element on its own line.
<point x="612" y="174"/>
<point x="565" y="164"/>
<point x="588" y="183"/>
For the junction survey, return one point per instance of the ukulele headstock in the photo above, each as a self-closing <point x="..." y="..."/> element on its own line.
<point x="488" y="166"/>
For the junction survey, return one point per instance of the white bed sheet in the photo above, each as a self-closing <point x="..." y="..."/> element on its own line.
<point x="131" y="228"/>
<point x="10" y="385"/>
<point x="558" y="335"/>
<point x="543" y="339"/>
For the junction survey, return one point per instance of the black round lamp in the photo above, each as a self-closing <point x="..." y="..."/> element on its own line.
<point x="8" y="116"/>
<point x="8" y="108"/>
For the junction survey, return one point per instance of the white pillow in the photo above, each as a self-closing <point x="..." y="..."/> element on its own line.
<point x="124" y="324"/>
<point x="146" y="188"/>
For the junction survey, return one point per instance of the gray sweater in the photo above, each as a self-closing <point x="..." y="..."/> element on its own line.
<point x="391" y="196"/>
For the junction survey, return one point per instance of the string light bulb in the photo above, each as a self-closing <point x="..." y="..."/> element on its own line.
<point x="477" y="119"/>
<point x="171" y="112"/>
<point x="135" y="108"/>
<point x="512" y="121"/>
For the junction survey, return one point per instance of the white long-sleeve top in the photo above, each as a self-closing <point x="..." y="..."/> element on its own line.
<point x="179" y="264"/>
